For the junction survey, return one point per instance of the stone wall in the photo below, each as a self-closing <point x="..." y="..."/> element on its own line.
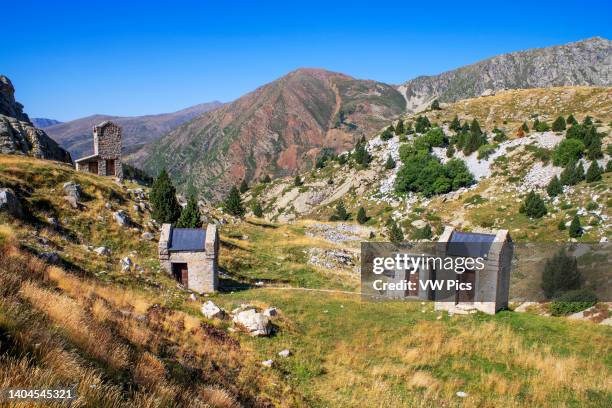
<point x="107" y="144"/>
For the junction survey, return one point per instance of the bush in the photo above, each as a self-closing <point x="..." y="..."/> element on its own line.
<point x="399" y="128"/>
<point x="533" y="206"/>
<point x="568" y="150"/>
<point x="435" y="137"/>
<point x="257" y="210"/>
<point x="298" y="181"/>
<point x="525" y="127"/>
<point x="573" y="301"/>
<point x="422" y="124"/>
<point x="450" y="151"/>
<point x="455" y="125"/>
<point x="423" y="233"/>
<point x="500" y="136"/>
<point x="386" y="134"/>
<point x="244" y="187"/>
<point x="395" y="232"/>
<point x="561" y="226"/>
<point x="560" y="275"/>
<point x="571" y="120"/>
<point x="435" y="105"/>
<point x="485" y="151"/>
<point x="361" y="155"/>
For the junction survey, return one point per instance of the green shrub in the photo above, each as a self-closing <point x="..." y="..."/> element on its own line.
<point x="561" y="226"/>
<point x="422" y="233"/>
<point x="450" y="151"/>
<point x="575" y="229"/>
<point x="395" y="232"/>
<point x="341" y="213"/>
<point x="533" y="206"/>
<point x="257" y="210"/>
<point x="593" y="173"/>
<point x="568" y="150"/>
<point x="573" y="301"/>
<point x="422" y="124"/>
<point x="244" y="187"/>
<point x="559" y="124"/>
<point x="500" y="136"/>
<point x="387" y="133"/>
<point x="399" y="128"/>
<point x="554" y="187"/>
<point x="362" y="217"/>
<point x="485" y="151"/>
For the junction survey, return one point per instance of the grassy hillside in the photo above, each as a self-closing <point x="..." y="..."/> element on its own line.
<point x="136" y="339"/>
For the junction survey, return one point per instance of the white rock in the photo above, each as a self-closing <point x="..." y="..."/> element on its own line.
<point x="73" y="189"/>
<point x="418" y="224"/>
<point x="148" y="236"/>
<point x="257" y="324"/>
<point x="462" y="394"/>
<point x="121" y="218"/>
<point x="10" y="203"/>
<point x="212" y="311"/>
<point x="126" y="264"/>
<point x="267" y="363"/>
<point x="102" y="251"/>
<point x="285" y="353"/>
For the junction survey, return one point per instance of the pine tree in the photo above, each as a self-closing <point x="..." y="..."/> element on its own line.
<point x="244" y="187"/>
<point x="455" y="125"/>
<point x="435" y="105"/>
<point x="190" y="216"/>
<point x="390" y="164"/>
<point x="387" y="134"/>
<point x="593" y="173"/>
<point x="257" y="210"/>
<point x="475" y="128"/>
<point x="399" y="128"/>
<point x="297" y="181"/>
<point x="341" y="213"/>
<point x="575" y="229"/>
<point x="450" y="151"/>
<point x="609" y="166"/>
<point x="533" y="206"/>
<point x="588" y="121"/>
<point x="559" y="124"/>
<point x="362" y="218"/>
<point x="579" y="172"/>
<point x="395" y="232"/>
<point x="166" y="208"/>
<point x="594" y="149"/>
<point x="361" y="155"/>
<point x="571" y="120"/>
<point x="560" y="274"/>
<point x="266" y="179"/>
<point x="233" y="203"/>
<point x="525" y="127"/>
<point x="535" y="125"/>
<point x="568" y="175"/>
<point x="555" y="187"/>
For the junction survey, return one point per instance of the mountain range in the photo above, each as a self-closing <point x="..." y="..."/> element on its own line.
<point x="44" y="122"/>
<point x="75" y="135"/>
<point x="279" y="128"/>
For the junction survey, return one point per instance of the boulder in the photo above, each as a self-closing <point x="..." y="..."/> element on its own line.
<point x="126" y="264"/>
<point x="10" y="203"/>
<point x="270" y="312"/>
<point x="418" y="224"/>
<point x="285" y="353"/>
<point x="121" y="218"/>
<point x="256" y="324"/>
<point x="74" y="203"/>
<point x="267" y="363"/>
<point x="212" y="311"/>
<point x="50" y="257"/>
<point x="53" y="222"/>
<point x="148" y="236"/>
<point x="72" y="189"/>
<point x="102" y="251"/>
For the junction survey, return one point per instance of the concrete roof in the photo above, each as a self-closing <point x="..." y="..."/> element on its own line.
<point x="87" y="158"/>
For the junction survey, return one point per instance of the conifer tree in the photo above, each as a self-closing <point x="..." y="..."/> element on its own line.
<point x="475" y="128"/>
<point x="399" y="128"/>
<point x="575" y="229"/>
<point x="455" y="125"/>
<point x="390" y="164"/>
<point x="560" y="274"/>
<point x="593" y="173"/>
<point x="233" y="203"/>
<point x="190" y="216"/>
<point x="588" y="121"/>
<point x="244" y="187"/>
<point x="362" y="218"/>
<point x="166" y="208"/>
<point x="395" y="232"/>
<point x="568" y="175"/>
<point x="450" y="151"/>
<point x="594" y="149"/>
<point x="435" y="105"/>
<point x="297" y="181"/>
<point x="257" y="210"/>
<point x="341" y="213"/>
<point x="555" y="187"/>
<point x="535" y="125"/>
<point x="266" y="179"/>
<point x="579" y="172"/>
<point x="571" y="120"/>
<point x="533" y="206"/>
<point x="559" y="124"/>
<point x="609" y="166"/>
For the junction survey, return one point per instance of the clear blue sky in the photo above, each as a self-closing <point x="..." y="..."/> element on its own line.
<point x="72" y="59"/>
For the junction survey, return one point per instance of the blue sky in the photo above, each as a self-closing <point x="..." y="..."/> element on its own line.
<point x="73" y="59"/>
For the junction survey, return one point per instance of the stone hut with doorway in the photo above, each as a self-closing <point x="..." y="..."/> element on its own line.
<point x="490" y="284"/>
<point x="190" y="255"/>
<point x="106" y="157"/>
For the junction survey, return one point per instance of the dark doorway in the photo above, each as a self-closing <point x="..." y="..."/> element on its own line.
<point x="180" y="273"/>
<point x="414" y="278"/>
<point x="93" y="167"/>
<point x="110" y="167"/>
<point x="466" y="296"/>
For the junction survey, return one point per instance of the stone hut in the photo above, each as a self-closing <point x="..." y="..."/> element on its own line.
<point x="106" y="159"/>
<point x="191" y="256"/>
<point x="490" y="284"/>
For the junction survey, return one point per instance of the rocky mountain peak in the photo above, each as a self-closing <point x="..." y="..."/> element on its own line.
<point x="8" y="105"/>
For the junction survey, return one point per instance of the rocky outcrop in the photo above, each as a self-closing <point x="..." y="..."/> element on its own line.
<point x="10" y="203"/>
<point x="17" y="133"/>
<point x="587" y="62"/>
